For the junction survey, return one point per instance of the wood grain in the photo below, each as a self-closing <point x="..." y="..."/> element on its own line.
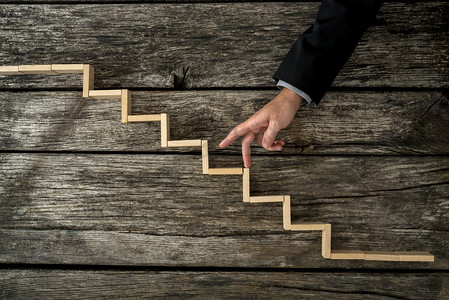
<point x="214" y="45"/>
<point x="161" y="209"/>
<point x="345" y="123"/>
<point x="69" y="284"/>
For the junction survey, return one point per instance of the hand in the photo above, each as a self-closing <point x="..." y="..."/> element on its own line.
<point x="265" y="124"/>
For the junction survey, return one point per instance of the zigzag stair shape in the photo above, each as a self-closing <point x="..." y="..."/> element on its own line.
<point x="125" y="95"/>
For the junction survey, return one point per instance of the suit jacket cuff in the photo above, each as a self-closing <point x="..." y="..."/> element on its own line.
<point x="299" y="92"/>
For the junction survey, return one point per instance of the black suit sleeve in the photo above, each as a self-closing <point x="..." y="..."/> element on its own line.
<point x="317" y="56"/>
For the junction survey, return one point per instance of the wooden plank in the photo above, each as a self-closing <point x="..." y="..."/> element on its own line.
<point x="326" y="241"/>
<point x="356" y="122"/>
<point x="231" y="37"/>
<point x="67" y="68"/>
<point x="347" y="254"/>
<point x="126" y="105"/>
<point x="105" y="94"/>
<point x="165" y="129"/>
<point x="36" y="69"/>
<point x="286" y="213"/>
<point x="225" y="171"/>
<point x="415" y="256"/>
<point x="184" y="143"/>
<point x="88" y="79"/>
<point x="262" y="199"/>
<point x="9" y="70"/>
<point x="246" y="185"/>
<point x="382" y="255"/>
<point x="144" y="118"/>
<point x="205" y="156"/>
<point x="307" y="226"/>
<point x="160" y="203"/>
<point x="74" y="283"/>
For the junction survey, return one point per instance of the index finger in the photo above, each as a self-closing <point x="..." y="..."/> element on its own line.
<point x="238" y="131"/>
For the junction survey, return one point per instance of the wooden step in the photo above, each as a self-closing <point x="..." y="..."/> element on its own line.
<point x="262" y="199"/>
<point x="144" y="118"/>
<point x="185" y="143"/>
<point x="225" y="171"/>
<point x="9" y="70"/>
<point x="67" y="68"/>
<point x="347" y="254"/>
<point x="36" y="69"/>
<point x="308" y="226"/>
<point x="105" y="94"/>
<point x="415" y="256"/>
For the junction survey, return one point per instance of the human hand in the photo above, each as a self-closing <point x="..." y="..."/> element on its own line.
<point x="265" y="124"/>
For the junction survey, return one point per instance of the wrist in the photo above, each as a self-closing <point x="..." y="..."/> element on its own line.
<point x="291" y="97"/>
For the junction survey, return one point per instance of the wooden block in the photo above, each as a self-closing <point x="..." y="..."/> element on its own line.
<point x="205" y="156"/>
<point x="308" y="226"/>
<point x="105" y="94"/>
<point x="67" y="68"/>
<point x="36" y="69"/>
<point x="260" y="199"/>
<point x="415" y="256"/>
<point x="226" y="171"/>
<point x="144" y="118"/>
<point x="326" y="243"/>
<point x="286" y="207"/>
<point x="184" y="143"/>
<point x="88" y="80"/>
<point x="246" y="191"/>
<point x="382" y="255"/>
<point x="347" y="254"/>
<point x="126" y="105"/>
<point x="9" y="70"/>
<point x="165" y="130"/>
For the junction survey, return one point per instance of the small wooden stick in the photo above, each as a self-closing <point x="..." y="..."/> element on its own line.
<point x="184" y="143"/>
<point x="326" y="243"/>
<point x="9" y="70"/>
<point x="105" y="94"/>
<point x="415" y="256"/>
<point x="67" y="68"/>
<point x="308" y="226"/>
<point x="246" y="186"/>
<point x="347" y="254"/>
<point x="36" y="69"/>
<point x="144" y="118"/>
<point x="261" y="199"/>
<point x="205" y="156"/>
<point x="382" y="255"/>
<point x="226" y="171"/>
<point x="165" y="130"/>
<point x="126" y="105"/>
<point x="286" y="207"/>
<point x="88" y="79"/>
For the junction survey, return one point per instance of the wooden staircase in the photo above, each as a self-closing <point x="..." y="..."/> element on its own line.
<point x="127" y="117"/>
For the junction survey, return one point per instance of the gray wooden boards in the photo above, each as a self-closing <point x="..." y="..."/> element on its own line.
<point x="346" y="122"/>
<point x="221" y="45"/>
<point x="70" y="284"/>
<point x="161" y="210"/>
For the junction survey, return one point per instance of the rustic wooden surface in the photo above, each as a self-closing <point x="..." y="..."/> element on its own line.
<point x="221" y="45"/>
<point x="92" y="208"/>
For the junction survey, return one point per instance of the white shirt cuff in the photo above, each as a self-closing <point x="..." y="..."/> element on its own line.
<point x="297" y="91"/>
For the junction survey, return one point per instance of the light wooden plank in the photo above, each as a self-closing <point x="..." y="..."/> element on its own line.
<point x="9" y="70"/>
<point x="347" y="254"/>
<point x="306" y="226"/>
<point x="144" y="118"/>
<point x="261" y="199"/>
<point x="165" y="129"/>
<point x="205" y="156"/>
<point x="326" y="241"/>
<point x="67" y="68"/>
<point x="415" y="256"/>
<point x="382" y="255"/>
<point x="225" y="171"/>
<point x="105" y="94"/>
<point x="246" y="185"/>
<point x="126" y="105"/>
<point x="36" y="69"/>
<point x="286" y="212"/>
<point x="184" y="143"/>
<point x="88" y="79"/>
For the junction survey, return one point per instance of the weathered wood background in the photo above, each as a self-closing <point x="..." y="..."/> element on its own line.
<point x="92" y="208"/>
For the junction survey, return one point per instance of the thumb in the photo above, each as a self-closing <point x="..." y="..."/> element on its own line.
<point x="269" y="135"/>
